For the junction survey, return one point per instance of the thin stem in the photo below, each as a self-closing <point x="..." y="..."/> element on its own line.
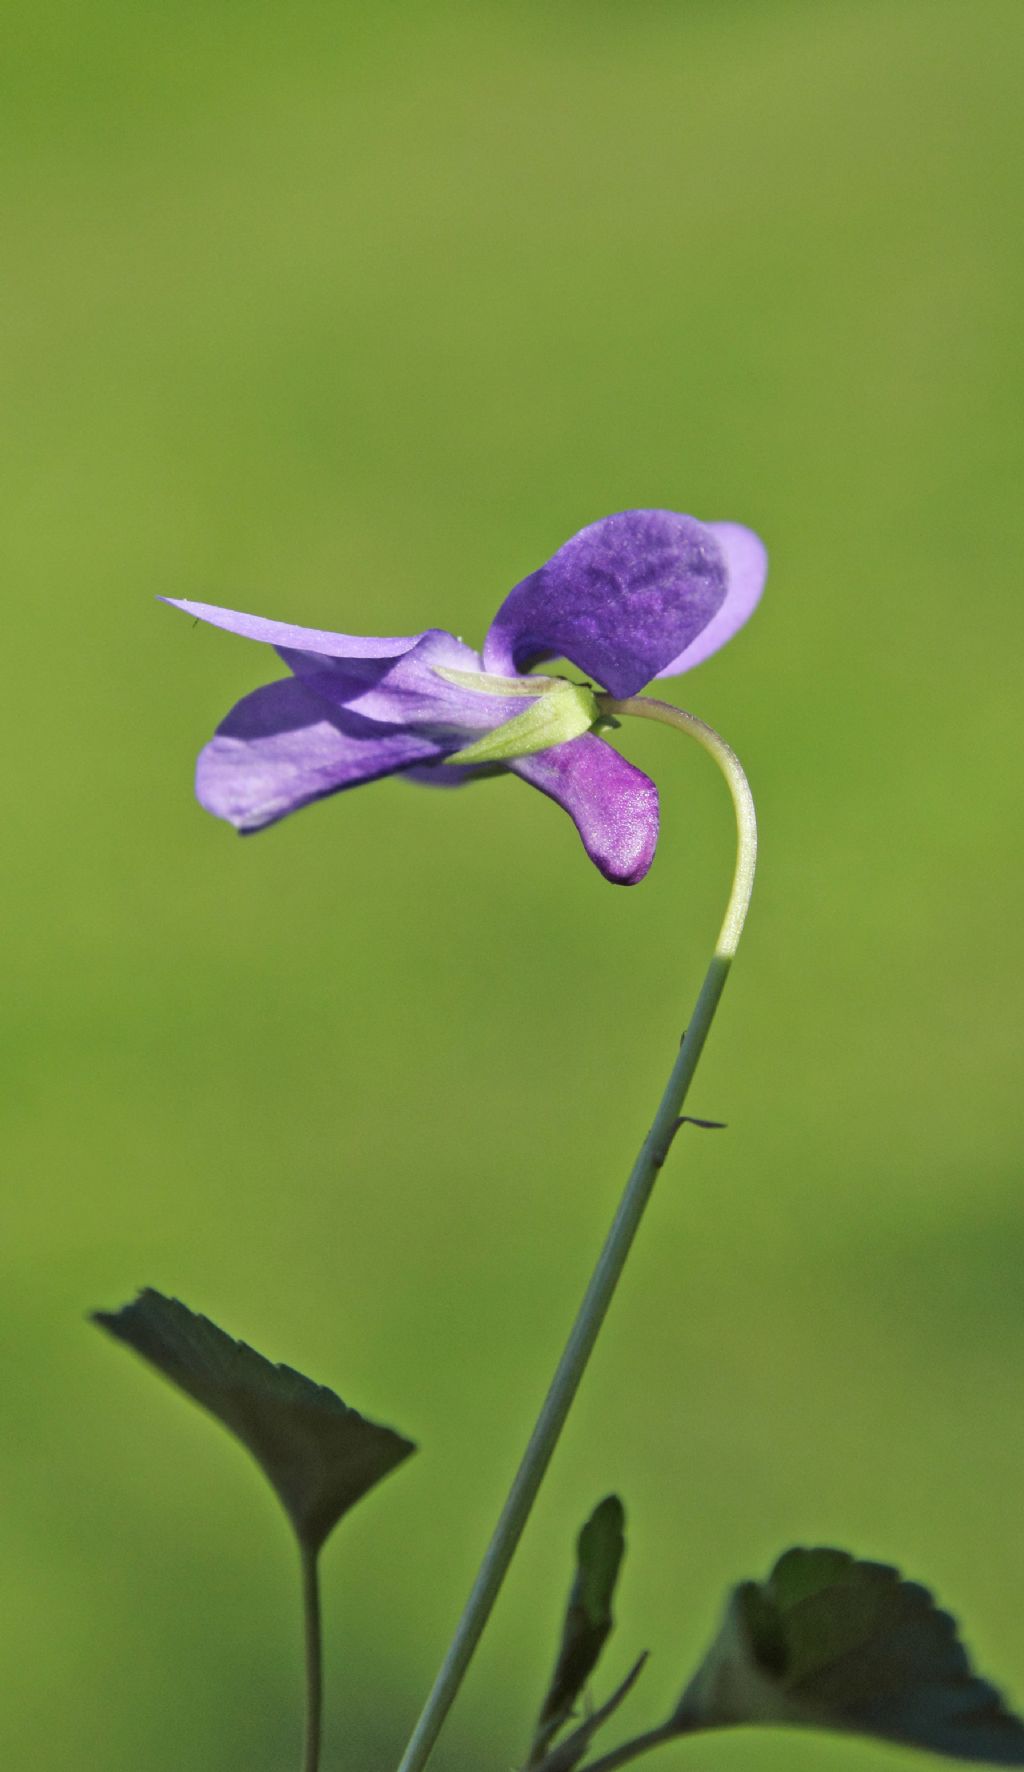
<point x="314" y="1656"/>
<point x="618" y="1243"/>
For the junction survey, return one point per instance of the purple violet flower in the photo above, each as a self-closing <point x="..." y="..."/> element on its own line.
<point x="636" y="596"/>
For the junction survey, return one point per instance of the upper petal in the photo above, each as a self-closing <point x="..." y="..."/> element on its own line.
<point x="621" y="599"/>
<point x="746" y="564"/>
<point x="613" y="805"/>
<point x="285" y="745"/>
<point x="283" y="633"/>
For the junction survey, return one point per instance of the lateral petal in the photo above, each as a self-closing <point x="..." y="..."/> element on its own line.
<point x="285" y="745"/>
<point x="408" y="690"/>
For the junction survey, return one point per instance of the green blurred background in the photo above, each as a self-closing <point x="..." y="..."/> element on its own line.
<point x="349" y="316"/>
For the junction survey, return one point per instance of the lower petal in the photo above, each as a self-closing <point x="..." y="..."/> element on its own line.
<point x="284" y="746"/>
<point x="613" y="805"/>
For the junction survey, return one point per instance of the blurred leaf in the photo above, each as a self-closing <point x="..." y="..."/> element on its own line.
<point x="320" y="1455"/>
<point x="834" y="1643"/>
<point x="588" y="1618"/>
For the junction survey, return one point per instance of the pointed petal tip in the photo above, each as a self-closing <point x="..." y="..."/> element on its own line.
<point x="297" y="639"/>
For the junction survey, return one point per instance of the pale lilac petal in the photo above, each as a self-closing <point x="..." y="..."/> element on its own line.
<point x="408" y="691"/>
<point x="746" y="564"/>
<point x="613" y="805"/>
<point x="621" y="599"/>
<point x="285" y="745"/>
<point x="282" y="633"/>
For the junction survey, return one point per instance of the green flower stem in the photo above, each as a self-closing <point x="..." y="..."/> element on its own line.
<point x="314" y="1656"/>
<point x="612" y="1259"/>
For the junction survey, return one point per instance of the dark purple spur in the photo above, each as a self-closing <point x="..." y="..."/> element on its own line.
<point x="636" y="596"/>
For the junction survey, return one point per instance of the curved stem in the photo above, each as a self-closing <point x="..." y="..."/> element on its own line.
<point x="618" y="1243"/>
<point x="642" y="707"/>
<point x="314" y="1657"/>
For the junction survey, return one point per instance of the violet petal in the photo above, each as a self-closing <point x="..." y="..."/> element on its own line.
<point x="284" y="746"/>
<point x="621" y="599"/>
<point x="282" y="633"/>
<point x="746" y="563"/>
<point x="613" y="805"/>
<point x="408" y="691"/>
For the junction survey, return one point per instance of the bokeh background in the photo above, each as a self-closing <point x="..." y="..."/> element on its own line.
<point x="350" y="315"/>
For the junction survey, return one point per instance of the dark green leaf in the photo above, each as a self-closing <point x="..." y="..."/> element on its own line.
<point x="320" y="1455"/>
<point x="588" y="1618"/>
<point x="833" y="1643"/>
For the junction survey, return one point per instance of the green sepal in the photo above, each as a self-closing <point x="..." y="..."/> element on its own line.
<point x="560" y="713"/>
<point x="486" y="683"/>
